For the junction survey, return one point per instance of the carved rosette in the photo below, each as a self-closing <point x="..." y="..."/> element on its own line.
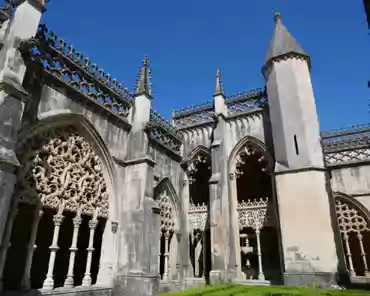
<point x="249" y="150"/>
<point x="198" y="215"/>
<point x="253" y="213"/>
<point x="166" y="214"/>
<point x="59" y="166"/>
<point x="349" y="219"/>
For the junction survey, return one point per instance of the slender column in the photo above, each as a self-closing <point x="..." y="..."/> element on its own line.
<point x="159" y="253"/>
<point x="86" y="282"/>
<point x="58" y="220"/>
<point x="261" y="276"/>
<point x="69" y="283"/>
<point x="349" y="255"/>
<point x="26" y="279"/>
<point x="6" y="240"/>
<point x="166" y="255"/>
<point x="363" y="254"/>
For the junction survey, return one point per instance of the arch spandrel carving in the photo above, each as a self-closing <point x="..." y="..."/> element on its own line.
<point x="60" y="166"/>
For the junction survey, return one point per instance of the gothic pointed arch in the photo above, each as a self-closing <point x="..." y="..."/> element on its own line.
<point x="166" y="185"/>
<point x="80" y="125"/>
<point x="63" y="199"/>
<point x="168" y="203"/>
<point x="200" y="155"/>
<point x="249" y="146"/>
<point x="253" y="210"/>
<point x="199" y="173"/>
<point x="354" y="227"/>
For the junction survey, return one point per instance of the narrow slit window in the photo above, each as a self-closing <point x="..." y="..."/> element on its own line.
<point x="296" y="145"/>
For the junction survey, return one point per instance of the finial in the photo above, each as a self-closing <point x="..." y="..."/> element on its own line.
<point x="277" y="17"/>
<point x="219" y="90"/>
<point x="144" y="85"/>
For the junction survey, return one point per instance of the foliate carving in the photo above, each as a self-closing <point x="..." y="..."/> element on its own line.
<point x="253" y="213"/>
<point x="60" y="167"/>
<point x="192" y="167"/>
<point x="349" y="219"/>
<point x="198" y="215"/>
<point x="249" y="150"/>
<point x="58" y="219"/>
<point x="167" y="215"/>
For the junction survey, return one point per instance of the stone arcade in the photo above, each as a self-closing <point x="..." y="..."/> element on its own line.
<point x="101" y="195"/>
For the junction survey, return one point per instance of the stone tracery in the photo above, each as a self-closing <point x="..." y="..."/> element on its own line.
<point x="167" y="228"/>
<point x="353" y="228"/>
<point x="63" y="168"/>
<point x="62" y="175"/>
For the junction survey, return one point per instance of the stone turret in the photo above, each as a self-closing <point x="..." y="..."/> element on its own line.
<point x="301" y="183"/>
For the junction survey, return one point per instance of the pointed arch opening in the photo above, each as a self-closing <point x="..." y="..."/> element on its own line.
<point x="199" y="173"/>
<point x="62" y="202"/>
<point x="253" y="211"/>
<point x="169" y="235"/>
<point x="354" y="226"/>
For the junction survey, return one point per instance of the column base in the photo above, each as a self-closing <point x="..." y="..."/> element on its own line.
<point x="136" y="283"/>
<point x="69" y="282"/>
<point x="48" y="284"/>
<point x="219" y="277"/>
<point x="310" y="279"/>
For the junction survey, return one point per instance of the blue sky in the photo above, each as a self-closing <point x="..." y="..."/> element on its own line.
<point x="188" y="40"/>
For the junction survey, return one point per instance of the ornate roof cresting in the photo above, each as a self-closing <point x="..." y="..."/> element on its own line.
<point x="144" y="84"/>
<point x="247" y="101"/>
<point x="70" y="67"/>
<point x="346" y="145"/>
<point x="161" y="131"/>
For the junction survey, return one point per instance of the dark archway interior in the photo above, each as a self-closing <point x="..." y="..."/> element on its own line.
<point x="16" y="257"/>
<point x="255" y="183"/>
<point x="357" y="260"/>
<point x="199" y="194"/>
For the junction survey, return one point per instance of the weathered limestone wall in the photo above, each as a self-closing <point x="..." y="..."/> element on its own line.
<point x="114" y="135"/>
<point x="297" y="202"/>
<point x="354" y="181"/>
<point x="238" y="128"/>
<point x="195" y="137"/>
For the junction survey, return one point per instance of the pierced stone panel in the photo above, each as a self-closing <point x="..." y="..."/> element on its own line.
<point x="349" y="219"/>
<point x="192" y="167"/>
<point x="167" y="215"/>
<point x="253" y="213"/>
<point x="347" y="156"/>
<point x="198" y="215"/>
<point x="60" y="167"/>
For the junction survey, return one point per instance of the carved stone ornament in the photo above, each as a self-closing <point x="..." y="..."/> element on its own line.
<point x="253" y="213"/>
<point x="59" y="166"/>
<point x="192" y="167"/>
<point x="167" y="215"/>
<point x="249" y="150"/>
<point x="349" y="219"/>
<point x="198" y="215"/>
